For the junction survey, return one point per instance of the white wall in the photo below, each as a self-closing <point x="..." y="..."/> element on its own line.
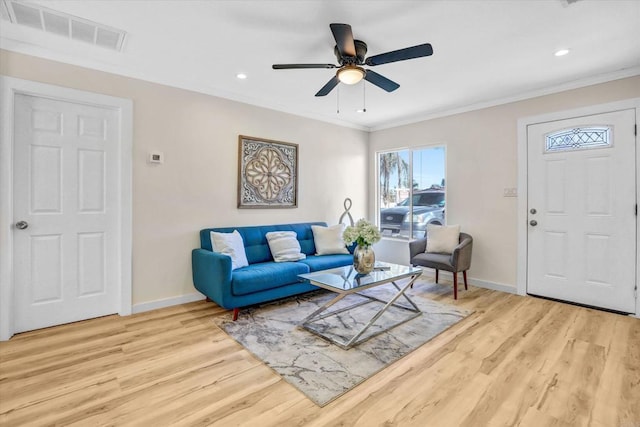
<point x="481" y="162"/>
<point x="196" y="187"/>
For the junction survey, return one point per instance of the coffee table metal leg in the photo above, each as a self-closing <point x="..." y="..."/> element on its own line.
<point x="415" y="307"/>
<point x="405" y="295"/>
<point x="324" y="307"/>
<point x="388" y="304"/>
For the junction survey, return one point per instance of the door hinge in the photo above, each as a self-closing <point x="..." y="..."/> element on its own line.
<point x="635" y="130"/>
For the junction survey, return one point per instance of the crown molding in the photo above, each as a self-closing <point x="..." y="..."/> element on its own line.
<point x="576" y="84"/>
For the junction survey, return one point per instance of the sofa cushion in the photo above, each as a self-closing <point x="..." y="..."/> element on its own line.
<point x="324" y="262"/>
<point x="230" y="244"/>
<point x="284" y="246"/>
<point x="265" y="275"/>
<point x="255" y="240"/>
<point x="329" y="240"/>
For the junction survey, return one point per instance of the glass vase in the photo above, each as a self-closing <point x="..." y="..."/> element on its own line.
<point x="364" y="259"/>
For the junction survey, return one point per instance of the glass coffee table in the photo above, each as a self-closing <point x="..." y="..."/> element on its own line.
<point x="346" y="281"/>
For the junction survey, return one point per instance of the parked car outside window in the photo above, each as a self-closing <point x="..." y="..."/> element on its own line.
<point x="428" y="208"/>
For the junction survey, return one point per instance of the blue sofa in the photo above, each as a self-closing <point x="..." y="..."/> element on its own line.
<point x="264" y="279"/>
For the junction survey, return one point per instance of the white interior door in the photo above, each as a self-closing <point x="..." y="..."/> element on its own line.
<point x="65" y="201"/>
<point x="582" y="210"/>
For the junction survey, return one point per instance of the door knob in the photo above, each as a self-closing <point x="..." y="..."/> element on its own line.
<point x="21" y="225"/>
<point x="533" y="222"/>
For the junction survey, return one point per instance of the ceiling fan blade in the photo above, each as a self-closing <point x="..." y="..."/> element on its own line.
<point x="401" y="54"/>
<point x="328" y="87"/>
<point x="296" y="66"/>
<point x="381" y="81"/>
<point x="344" y="39"/>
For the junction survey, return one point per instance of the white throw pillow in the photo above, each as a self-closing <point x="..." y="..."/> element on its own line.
<point x="328" y="240"/>
<point x="230" y="244"/>
<point x="284" y="246"/>
<point x="442" y="238"/>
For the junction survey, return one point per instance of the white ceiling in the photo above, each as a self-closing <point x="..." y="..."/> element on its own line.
<point x="485" y="52"/>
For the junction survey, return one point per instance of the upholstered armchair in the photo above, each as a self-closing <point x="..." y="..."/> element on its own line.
<point x="458" y="261"/>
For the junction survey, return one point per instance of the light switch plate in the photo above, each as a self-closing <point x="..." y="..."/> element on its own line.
<point x="511" y="192"/>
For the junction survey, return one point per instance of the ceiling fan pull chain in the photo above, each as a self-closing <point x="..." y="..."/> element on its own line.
<point x="364" y="97"/>
<point x="338" y="101"/>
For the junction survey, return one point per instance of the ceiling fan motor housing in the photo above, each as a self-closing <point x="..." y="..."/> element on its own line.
<point x="361" y="52"/>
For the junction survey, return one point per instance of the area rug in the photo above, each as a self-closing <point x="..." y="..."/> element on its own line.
<point x="321" y="370"/>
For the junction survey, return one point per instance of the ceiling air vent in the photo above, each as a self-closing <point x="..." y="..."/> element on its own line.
<point x="52" y="21"/>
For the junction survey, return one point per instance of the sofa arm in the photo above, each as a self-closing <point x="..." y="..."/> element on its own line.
<point x="212" y="276"/>
<point x="417" y="247"/>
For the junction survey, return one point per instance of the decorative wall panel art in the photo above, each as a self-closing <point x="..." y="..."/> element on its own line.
<point x="267" y="173"/>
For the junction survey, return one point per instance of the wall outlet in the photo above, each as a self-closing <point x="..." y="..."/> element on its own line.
<point x="511" y="192"/>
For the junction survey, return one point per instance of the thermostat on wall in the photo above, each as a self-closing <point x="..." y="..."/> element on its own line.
<point x="156" y="157"/>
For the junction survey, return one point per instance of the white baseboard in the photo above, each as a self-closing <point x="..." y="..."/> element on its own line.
<point x="167" y="302"/>
<point x="475" y="282"/>
<point x="492" y="285"/>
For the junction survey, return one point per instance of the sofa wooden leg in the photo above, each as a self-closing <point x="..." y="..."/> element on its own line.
<point x="455" y="285"/>
<point x="436" y="276"/>
<point x="235" y="314"/>
<point x="207" y="299"/>
<point x="464" y="274"/>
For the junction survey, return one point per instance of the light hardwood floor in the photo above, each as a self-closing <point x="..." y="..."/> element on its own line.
<point x="517" y="361"/>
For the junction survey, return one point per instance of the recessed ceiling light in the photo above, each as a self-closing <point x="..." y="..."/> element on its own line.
<point x="241" y="76"/>
<point x="561" y="52"/>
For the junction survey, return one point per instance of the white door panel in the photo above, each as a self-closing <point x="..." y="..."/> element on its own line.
<point x="66" y="189"/>
<point x="582" y="190"/>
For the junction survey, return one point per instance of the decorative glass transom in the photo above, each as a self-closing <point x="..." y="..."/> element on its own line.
<point x="579" y="138"/>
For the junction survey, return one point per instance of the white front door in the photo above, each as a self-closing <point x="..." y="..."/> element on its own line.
<point x="65" y="209"/>
<point x="582" y="210"/>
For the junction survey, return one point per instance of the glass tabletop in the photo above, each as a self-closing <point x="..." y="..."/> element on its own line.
<point x="347" y="278"/>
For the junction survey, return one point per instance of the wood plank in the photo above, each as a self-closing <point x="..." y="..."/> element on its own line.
<point x="617" y="400"/>
<point x="570" y="393"/>
<point x="516" y="361"/>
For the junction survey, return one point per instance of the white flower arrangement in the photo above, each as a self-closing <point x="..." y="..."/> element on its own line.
<point x="363" y="233"/>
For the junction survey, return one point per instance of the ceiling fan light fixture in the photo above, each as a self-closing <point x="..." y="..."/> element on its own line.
<point x="350" y="74"/>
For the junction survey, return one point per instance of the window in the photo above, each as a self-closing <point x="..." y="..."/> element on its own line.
<point x="406" y="210"/>
<point x="578" y="139"/>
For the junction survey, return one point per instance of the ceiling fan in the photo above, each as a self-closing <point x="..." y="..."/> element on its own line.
<point x="351" y="56"/>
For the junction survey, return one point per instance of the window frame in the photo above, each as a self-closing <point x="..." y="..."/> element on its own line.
<point x="378" y="195"/>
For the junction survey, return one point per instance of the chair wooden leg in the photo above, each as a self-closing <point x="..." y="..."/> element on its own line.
<point x="455" y="285"/>
<point x="436" y="276"/>
<point x="464" y="274"/>
<point x="235" y="314"/>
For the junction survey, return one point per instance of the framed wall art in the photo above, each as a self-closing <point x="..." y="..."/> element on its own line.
<point x="267" y="173"/>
